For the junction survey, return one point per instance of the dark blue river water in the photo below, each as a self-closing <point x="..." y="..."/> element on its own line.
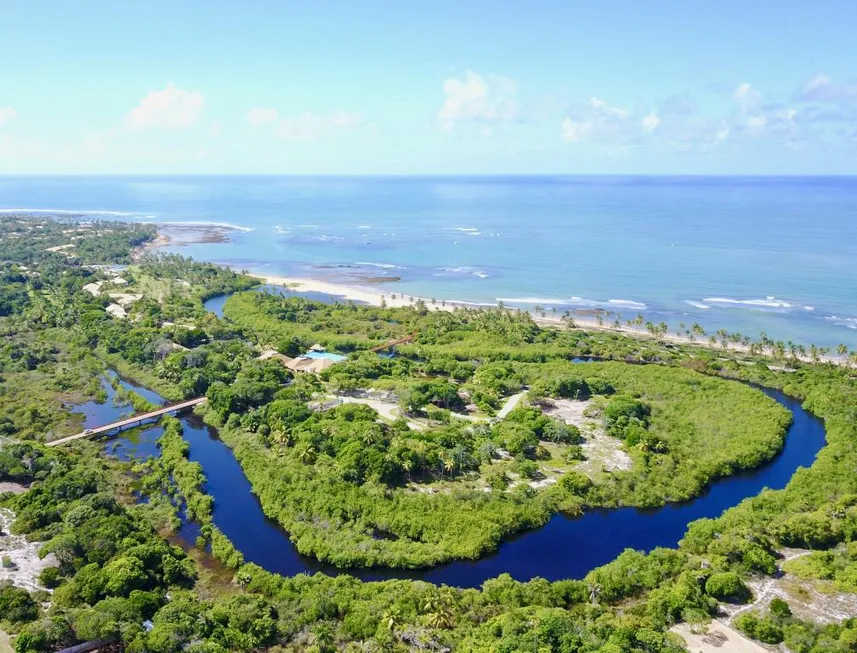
<point x="563" y="548"/>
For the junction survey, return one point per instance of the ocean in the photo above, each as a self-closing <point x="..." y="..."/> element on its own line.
<point x="747" y="254"/>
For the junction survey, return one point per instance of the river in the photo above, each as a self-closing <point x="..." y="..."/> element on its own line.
<point x="563" y="548"/>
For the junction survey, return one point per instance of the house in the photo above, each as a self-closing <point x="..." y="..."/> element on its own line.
<point x="114" y="310"/>
<point x="93" y="289"/>
<point x="300" y="364"/>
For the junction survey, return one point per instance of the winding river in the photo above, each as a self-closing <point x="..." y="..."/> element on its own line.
<point x="563" y="548"/>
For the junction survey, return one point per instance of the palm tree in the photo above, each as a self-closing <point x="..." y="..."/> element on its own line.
<point x="438" y="609"/>
<point x="408" y="465"/>
<point x="449" y="465"/>
<point x="594" y="593"/>
<point x="305" y="453"/>
<point x="392" y="618"/>
<point x="842" y="350"/>
<point x="323" y="637"/>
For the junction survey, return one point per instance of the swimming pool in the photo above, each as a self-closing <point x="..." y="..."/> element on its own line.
<point x="325" y="354"/>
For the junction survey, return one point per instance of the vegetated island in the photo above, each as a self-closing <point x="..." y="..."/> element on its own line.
<point x="480" y="424"/>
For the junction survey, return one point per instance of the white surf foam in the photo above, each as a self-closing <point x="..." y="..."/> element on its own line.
<point x="849" y="322"/>
<point x="201" y="223"/>
<point x="768" y="302"/>
<point x="626" y="303"/>
<point x="531" y="300"/>
<point x="580" y="302"/>
<point x="70" y="212"/>
<point x="700" y="305"/>
<point x="386" y="266"/>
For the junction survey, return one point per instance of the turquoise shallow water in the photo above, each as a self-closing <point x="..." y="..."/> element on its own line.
<point x="746" y="254"/>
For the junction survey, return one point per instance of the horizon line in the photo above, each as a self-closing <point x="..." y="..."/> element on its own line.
<point x="436" y="175"/>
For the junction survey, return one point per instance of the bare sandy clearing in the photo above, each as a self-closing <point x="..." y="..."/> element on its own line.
<point x="24" y="555"/>
<point x="718" y="638"/>
<point x="602" y="452"/>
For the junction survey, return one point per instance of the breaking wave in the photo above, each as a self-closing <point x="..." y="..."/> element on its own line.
<point x="577" y="302"/>
<point x="768" y="302"/>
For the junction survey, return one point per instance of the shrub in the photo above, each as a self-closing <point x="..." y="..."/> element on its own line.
<point x="575" y="482"/>
<point x="759" y="628"/>
<point x="727" y="586"/>
<point x="50" y="577"/>
<point x="622" y="412"/>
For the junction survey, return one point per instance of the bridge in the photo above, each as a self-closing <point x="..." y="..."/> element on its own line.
<point x="392" y="343"/>
<point x="136" y="420"/>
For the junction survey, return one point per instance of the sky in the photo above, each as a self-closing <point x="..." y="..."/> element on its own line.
<point x="442" y="87"/>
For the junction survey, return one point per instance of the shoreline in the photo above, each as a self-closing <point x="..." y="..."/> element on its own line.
<point x="375" y="296"/>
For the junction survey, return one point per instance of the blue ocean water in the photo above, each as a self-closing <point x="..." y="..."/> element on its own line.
<point x="746" y="254"/>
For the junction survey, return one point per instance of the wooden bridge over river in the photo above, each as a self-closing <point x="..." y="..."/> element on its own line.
<point x="136" y="420"/>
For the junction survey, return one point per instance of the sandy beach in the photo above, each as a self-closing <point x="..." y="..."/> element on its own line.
<point x="375" y="296"/>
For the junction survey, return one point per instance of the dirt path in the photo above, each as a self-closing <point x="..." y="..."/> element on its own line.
<point x="5" y="646"/>
<point x="510" y="405"/>
<point x="385" y="409"/>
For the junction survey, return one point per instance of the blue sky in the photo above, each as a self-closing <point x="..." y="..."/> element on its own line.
<point x="364" y="87"/>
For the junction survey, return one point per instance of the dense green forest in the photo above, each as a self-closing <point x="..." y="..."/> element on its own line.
<point x="436" y="476"/>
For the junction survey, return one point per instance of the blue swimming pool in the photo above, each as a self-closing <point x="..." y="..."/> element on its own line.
<point x="325" y="354"/>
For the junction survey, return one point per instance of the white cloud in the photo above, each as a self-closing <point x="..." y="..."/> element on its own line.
<point x="312" y="127"/>
<point x="478" y="98"/>
<point x="746" y="95"/>
<point x="7" y="114"/>
<point x="573" y="131"/>
<point x="171" y="108"/>
<point x="756" y="122"/>
<point x="261" y="116"/>
<point x="823" y="89"/>
<point x="651" y="122"/>
<point x="597" y="120"/>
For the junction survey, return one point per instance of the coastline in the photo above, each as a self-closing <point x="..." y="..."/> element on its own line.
<point x="375" y="296"/>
